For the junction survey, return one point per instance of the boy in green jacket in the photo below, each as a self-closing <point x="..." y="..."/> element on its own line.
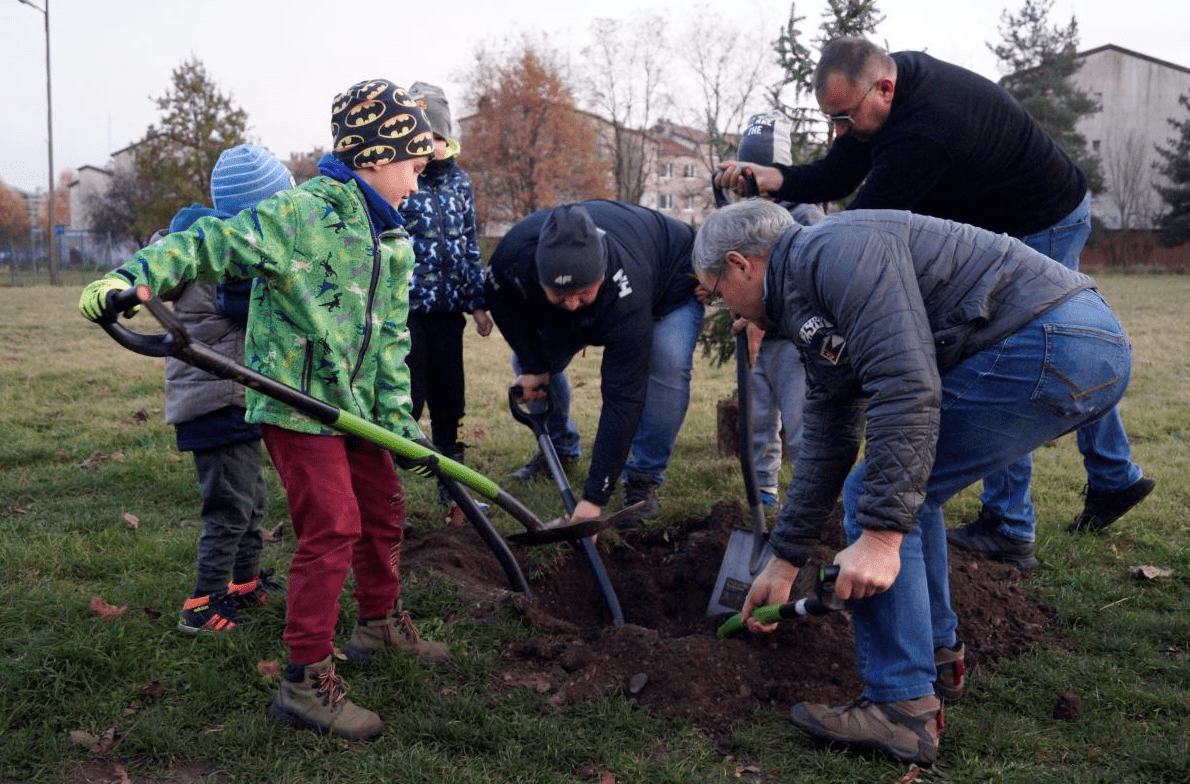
<point x="331" y="260"/>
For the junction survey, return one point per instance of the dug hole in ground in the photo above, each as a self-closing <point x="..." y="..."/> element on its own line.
<point x="667" y="659"/>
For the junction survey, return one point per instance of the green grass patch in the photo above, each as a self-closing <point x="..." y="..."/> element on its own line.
<point x="84" y="447"/>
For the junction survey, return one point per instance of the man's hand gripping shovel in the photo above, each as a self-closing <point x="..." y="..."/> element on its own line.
<point x="820" y="601"/>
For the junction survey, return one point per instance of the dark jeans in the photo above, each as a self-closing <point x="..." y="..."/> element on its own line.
<point x="436" y="375"/>
<point x="233" y="497"/>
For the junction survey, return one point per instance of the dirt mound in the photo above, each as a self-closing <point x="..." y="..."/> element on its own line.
<point x="667" y="658"/>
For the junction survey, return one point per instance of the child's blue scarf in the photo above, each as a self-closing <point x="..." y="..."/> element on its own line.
<point x="383" y="214"/>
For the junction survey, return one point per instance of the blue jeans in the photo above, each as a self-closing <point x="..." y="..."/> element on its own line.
<point x="674" y="339"/>
<point x="1107" y="455"/>
<point x="1067" y="368"/>
<point x="777" y="388"/>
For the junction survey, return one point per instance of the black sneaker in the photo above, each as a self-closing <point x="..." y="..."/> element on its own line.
<point x="1102" y="509"/>
<point x="255" y="592"/>
<point x="537" y="466"/>
<point x="980" y="536"/>
<point x="210" y="613"/>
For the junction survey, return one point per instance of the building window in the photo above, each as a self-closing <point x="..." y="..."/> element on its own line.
<point x="665" y="201"/>
<point x="690" y="200"/>
<point x="665" y="171"/>
<point x="690" y="171"/>
<point x="1095" y="145"/>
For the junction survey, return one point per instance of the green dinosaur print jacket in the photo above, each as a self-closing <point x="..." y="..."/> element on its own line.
<point x="329" y="303"/>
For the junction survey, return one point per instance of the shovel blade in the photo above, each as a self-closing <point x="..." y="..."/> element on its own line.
<point x="559" y="530"/>
<point x="745" y="557"/>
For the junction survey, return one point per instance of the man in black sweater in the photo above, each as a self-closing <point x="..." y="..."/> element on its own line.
<point x="915" y="133"/>
<point x="611" y="274"/>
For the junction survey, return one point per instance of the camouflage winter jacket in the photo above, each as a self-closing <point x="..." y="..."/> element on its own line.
<point x="440" y="217"/>
<point x="329" y="306"/>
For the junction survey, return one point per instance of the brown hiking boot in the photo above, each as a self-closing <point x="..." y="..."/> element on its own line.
<point x="907" y="730"/>
<point x="318" y="701"/>
<point x="394" y="630"/>
<point x="952" y="672"/>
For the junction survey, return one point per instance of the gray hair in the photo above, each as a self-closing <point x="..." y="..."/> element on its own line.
<point x="749" y="227"/>
<point x="853" y="58"/>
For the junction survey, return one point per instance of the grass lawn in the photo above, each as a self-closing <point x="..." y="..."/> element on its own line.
<point x="96" y="502"/>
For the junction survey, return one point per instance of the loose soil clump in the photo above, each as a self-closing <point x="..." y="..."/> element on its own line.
<point x="666" y="658"/>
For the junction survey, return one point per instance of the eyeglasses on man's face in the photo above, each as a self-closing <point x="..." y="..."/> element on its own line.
<point x="848" y="118"/>
<point x="714" y="297"/>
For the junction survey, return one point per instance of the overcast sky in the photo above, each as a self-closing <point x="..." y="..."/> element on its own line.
<point x="283" y="60"/>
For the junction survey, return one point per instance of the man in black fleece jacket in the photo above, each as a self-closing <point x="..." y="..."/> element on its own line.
<point x="915" y="133"/>
<point x="611" y="274"/>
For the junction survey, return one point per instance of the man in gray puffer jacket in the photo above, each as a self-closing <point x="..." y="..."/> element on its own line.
<point x="951" y="351"/>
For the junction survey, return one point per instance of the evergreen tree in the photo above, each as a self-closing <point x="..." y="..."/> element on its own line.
<point x="1039" y="61"/>
<point x="1173" y="226"/>
<point x="841" y="19"/>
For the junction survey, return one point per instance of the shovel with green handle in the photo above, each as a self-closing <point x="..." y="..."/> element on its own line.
<point x="418" y="456"/>
<point x="747" y="550"/>
<point x="820" y="601"/>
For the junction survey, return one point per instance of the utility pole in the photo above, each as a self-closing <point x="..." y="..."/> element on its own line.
<point x="51" y="236"/>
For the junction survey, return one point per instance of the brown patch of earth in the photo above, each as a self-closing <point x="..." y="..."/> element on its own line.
<point x="666" y="658"/>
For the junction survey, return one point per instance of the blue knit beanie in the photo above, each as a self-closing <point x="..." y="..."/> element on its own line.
<point x="246" y="175"/>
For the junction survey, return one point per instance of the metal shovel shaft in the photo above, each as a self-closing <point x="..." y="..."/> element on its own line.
<point x="537" y="423"/>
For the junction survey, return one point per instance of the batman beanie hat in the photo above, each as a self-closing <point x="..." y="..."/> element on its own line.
<point x="571" y="250"/>
<point x="376" y="122"/>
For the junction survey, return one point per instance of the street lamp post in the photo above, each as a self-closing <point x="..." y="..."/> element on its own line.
<point x="51" y="237"/>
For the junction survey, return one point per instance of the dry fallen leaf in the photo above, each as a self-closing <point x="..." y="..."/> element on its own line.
<point x="105" y="610"/>
<point x="1150" y="572"/>
<point x="13" y="510"/>
<point x="154" y="689"/>
<point x="140" y="416"/>
<point x="132" y="520"/>
<point x="269" y="669"/>
<point x="740" y="770"/>
<point x="107" y="741"/>
<point x="913" y="774"/>
<point x="274" y="534"/>
<point x="83" y="737"/>
<point x="607" y="778"/>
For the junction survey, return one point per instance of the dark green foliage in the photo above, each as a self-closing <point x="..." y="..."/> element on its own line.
<point x="1174" y="226"/>
<point x="1039" y="61"/>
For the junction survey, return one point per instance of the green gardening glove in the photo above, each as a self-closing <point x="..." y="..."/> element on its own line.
<point x="93" y="301"/>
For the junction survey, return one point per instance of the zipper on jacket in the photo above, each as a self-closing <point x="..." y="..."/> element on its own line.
<point x="367" y="336"/>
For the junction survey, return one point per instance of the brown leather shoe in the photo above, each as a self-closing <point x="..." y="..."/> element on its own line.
<point x="952" y="672"/>
<point x="907" y="730"/>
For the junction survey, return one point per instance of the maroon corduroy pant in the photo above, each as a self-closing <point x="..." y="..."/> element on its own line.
<point x="347" y="508"/>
